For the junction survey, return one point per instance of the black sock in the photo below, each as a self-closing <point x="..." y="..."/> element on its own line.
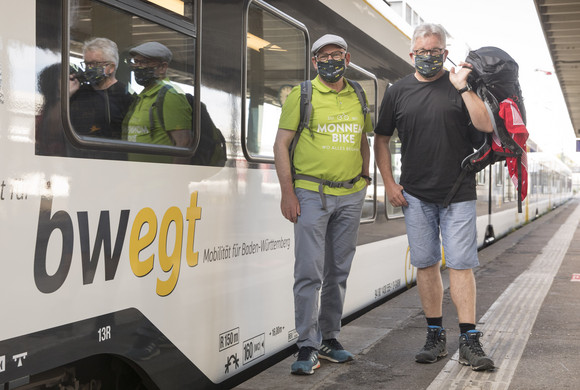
<point x="464" y="327"/>
<point x="435" y="321"/>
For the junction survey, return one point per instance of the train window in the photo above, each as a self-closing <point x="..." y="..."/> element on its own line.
<point x="395" y="149"/>
<point x="480" y="177"/>
<point x="369" y="83"/>
<point x="132" y="83"/>
<point x="276" y="61"/>
<point x="498" y="174"/>
<point x="508" y="188"/>
<point x="183" y="8"/>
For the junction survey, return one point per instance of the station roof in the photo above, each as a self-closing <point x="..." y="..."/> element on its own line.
<point x="560" y="20"/>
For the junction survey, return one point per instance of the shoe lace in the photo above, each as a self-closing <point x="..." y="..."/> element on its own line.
<point x="334" y="344"/>
<point x="304" y="353"/>
<point x="432" y="339"/>
<point x="430" y="343"/>
<point x="475" y="346"/>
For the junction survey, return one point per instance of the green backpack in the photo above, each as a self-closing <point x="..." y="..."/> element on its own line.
<point x="212" y="144"/>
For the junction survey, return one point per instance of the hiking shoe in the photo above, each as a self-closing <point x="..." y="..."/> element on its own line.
<point x="332" y="350"/>
<point x="435" y="346"/>
<point x="471" y="353"/>
<point x="306" y="363"/>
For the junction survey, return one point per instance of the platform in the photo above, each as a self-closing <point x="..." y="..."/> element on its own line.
<point x="528" y="308"/>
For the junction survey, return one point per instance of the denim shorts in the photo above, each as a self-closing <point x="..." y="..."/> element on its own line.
<point x="455" y="224"/>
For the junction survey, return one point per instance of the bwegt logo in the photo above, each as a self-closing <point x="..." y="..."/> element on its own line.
<point x="144" y="232"/>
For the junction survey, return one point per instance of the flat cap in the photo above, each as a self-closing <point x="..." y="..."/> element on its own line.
<point x="152" y="50"/>
<point x="328" y="39"/>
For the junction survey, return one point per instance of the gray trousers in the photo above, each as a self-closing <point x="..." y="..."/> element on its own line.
<point x="325" y="243"/>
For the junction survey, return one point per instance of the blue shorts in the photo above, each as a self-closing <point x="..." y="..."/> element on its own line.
<point x="457" y="225"/>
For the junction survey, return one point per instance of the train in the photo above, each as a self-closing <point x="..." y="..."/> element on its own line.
<point x="120" y="273"/>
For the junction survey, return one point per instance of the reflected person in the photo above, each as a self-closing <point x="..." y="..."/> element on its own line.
<point x="49" y="132"/>
<point x="98" y="101"/>
<point x="161" y="114"/>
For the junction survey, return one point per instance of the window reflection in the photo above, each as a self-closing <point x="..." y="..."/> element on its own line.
<point x="147" y="100"/>
<point x="276" y="62"/>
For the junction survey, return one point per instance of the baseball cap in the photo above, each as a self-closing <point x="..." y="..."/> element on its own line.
<point x="328" y="39"/>
<point x="152" y="50"/>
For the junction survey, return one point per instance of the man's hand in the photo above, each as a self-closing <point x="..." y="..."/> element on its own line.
<point x="459" y="78"/>
<point x="73" y="85"/>
<point x="395" y="195"/>
<point x="290" y="206"/>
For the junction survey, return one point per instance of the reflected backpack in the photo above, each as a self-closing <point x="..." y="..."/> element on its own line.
<point x="495" y="80"/>
<point x="211" y="149"/>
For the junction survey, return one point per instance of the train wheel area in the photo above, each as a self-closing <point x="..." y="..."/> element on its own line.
<point x="527" y="308"/>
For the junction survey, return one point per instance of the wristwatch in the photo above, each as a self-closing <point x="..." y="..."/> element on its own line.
<point x="464" y="89"/>
<point x="370" y="179"/>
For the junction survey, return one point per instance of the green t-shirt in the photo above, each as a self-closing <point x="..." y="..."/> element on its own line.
<point x="177" y="115"/>
<point x="333" y="152"/>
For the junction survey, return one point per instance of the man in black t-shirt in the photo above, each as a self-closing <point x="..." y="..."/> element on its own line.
<point x="99" y="104"/>
<point x="434" y="112"/>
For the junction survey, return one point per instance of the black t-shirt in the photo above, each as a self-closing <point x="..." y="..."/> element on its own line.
<point x="100" y="113"/>
<point x="435" y="132"/>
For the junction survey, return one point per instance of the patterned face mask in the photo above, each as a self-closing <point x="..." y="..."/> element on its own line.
<point x="95" y="75"/>
<point x="144" y="76"/>
<point x="332" y="70"/>
<point x="428" y="66"/>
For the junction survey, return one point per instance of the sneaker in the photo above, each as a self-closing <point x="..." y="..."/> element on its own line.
<point x="435" y="346"/>
<point x="471" y="353"/>
<point x="332" y="350"/>
<point x="306" y="363"/>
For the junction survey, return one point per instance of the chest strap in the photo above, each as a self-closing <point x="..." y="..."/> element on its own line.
<point x="328" y="183"/>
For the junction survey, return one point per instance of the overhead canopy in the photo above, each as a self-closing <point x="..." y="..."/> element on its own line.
<point x="560" y="20"/>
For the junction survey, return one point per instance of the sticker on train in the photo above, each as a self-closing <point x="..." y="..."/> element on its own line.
<point x="254" y="348"/>
<point x="229" y="339"/>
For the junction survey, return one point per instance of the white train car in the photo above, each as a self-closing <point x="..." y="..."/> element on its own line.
<point x="125" y="265"/>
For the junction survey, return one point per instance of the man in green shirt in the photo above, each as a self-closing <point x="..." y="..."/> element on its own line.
<point x="143" y="123"/>
<point x="324" y="199"/>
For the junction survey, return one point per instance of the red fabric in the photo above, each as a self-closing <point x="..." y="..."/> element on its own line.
<point x="515" y="126"/>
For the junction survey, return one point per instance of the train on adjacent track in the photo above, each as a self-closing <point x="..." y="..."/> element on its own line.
<point x="120" y="273"/>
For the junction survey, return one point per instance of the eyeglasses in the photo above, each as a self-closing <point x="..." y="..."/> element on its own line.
<point x="94" y="64"/>
<point x="141" y="63"/>
<point x="336" y="55"/>
<point x="433" y="52"/>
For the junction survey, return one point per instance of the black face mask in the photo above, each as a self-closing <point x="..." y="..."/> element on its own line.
<point x="94" y="76"/>
<point x="428" y="66"/>
<point x="144" y="76"/>
<point x="332" y="70"/>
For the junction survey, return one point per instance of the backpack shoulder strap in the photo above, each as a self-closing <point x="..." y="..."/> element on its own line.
<point x="305" y="113"/>
<point x="158" y="104"/>
<point x="305" y="106"/>
<point x="360" y="93"/>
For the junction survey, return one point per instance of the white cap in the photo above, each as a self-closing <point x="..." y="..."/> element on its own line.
<point x="328" y="39"/>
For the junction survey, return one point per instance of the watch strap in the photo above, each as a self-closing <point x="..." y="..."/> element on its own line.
<point x="464" y="89"/>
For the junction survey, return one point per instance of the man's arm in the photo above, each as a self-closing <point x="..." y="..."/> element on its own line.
<point x="289" y="204"/>
<point x="475" y="106"/>
<point x="184" y="139"/>
<point x="383" y="158"/>
<point x="181" y="137"/>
